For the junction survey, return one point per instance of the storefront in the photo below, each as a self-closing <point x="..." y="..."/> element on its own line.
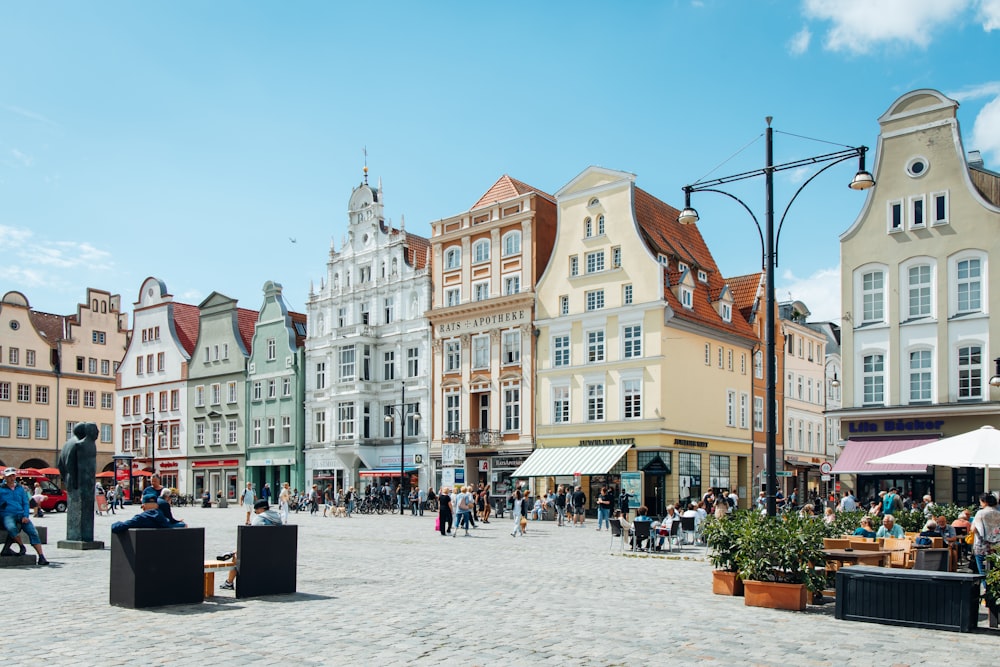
<point x="219" y="476"/>
<point x="272" y="472"/>
<point x="867" y="479"/>
<point x="499" y="472"/>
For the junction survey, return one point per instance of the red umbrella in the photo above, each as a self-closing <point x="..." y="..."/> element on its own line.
<point x="141" y="473"/>
<point x="30" y="472"/>
<point x="49" y="471"/>
<point x="106" y="473"/>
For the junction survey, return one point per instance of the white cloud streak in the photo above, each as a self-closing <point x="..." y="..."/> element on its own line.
<point x="22" y="157"/>
<point x="28" y="113"/>
<point x="986" y="131"/>
<point x="35" y="262"/>
<point x="820" y="292"/>
<point x="989" y="14"/>
<point x="799" y="43"/>
<point x="861" y="25"/>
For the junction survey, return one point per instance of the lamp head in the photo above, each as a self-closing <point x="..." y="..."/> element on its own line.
<point x="688" y="216"/>
<point x="862" y="181"/>
<point x="387" y="419"/>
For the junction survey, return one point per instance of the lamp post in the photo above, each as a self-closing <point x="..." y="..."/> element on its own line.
<point x="769" y="242"/>
<point x="995" y="380"/>
<point x="399" y="410"/>
<point x="152" y="428"/>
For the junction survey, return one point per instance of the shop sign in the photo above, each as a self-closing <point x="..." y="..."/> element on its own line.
<point x="512" y="462"/>
<point x="483" y="322"/>
<point x="690" y="443"/>
<point x="895" y="426"/>
<point x="607" y="441"/>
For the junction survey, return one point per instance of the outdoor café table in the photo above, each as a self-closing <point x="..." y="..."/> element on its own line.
<point x="857" y="557"/>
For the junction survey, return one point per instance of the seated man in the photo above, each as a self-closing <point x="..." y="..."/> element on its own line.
<point x="15" y="512"/>
<point x="889" y="528"/>
<point x="150" y="517"/>
<point x="930" y="530"/>
<point x="537" y="511"/>
<point x="263" y="516"/>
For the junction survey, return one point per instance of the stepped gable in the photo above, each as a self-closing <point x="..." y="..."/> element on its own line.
<point x="658" y="223"/>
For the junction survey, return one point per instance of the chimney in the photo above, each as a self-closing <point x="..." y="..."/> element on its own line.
<point x="975" y="159"/>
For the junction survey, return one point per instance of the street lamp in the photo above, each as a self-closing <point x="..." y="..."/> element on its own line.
<point x="995" y="380"/>
<point x="769" y="242"/>
<point x="400" y="411"/>
<point x="153" y="429"/>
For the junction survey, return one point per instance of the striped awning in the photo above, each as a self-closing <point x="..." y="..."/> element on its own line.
<point x="563" y="461"/>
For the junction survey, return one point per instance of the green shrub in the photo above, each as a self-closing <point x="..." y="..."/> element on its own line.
<point x="784" y="549"/>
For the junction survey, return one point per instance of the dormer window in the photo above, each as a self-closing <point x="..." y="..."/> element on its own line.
<point x="682" y="267"/>
<point x="686" y="297"/>
<point x="664" y="261"/>
<point x="702" y="276"/>
<point x="727" y="313"/>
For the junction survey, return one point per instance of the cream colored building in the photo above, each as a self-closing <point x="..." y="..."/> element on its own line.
<point x="918" y="337"/>
<point x="55" y="372"/>
<point x="485" y="264"/>
<point x="639" y="347"/>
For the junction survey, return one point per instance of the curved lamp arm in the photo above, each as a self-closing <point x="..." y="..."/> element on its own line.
<point x="781" y="222"/>
<point x="760" y="232"/>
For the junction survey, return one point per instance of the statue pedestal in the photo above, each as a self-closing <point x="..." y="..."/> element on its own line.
<point x="79" y="545"/>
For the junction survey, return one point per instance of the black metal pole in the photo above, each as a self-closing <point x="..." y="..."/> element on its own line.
<point x="770" y="456"/>
<point x="402" y="442"/>
<point x="154" y="427"/>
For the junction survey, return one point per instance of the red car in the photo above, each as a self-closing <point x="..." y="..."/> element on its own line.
<point x="55" y="498"/>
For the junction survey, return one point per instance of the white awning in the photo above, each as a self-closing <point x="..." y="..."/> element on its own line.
<point x="563" y="461"/>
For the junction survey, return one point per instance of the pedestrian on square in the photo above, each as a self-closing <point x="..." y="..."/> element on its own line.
<point x="986" y="527"/>
<point x="604" y="502"/>
<point x="579" y="505"/>
<point x="464" y="506"/>
<point x="561" y="505"/>
<point x="444" y="511"/>
<point x="248" y="499"/>
<point x="284" y="501"/>
<point x="518" y="513"/>
<point x="314" y="497"/>
<point x="265" y="493"/>
<point x="484" y="497"/>
<point x="422" y="499"/>
<point x="414" y="501"/>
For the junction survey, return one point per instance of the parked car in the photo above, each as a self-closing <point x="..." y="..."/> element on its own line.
<point x="55" y="500"/>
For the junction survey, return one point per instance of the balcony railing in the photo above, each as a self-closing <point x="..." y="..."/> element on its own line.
<point x="477" y="438"/>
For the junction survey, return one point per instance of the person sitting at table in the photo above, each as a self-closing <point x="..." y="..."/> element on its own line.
<point x="865" y="529"/>
<point x="930" y="531"/>
<point x="666" y="526"/>
<point x="641" y="516"/>
<point x="947" y="532"/>
<point x="623" y="522"/>
<point x="263" y="516"/>
<point x="829" y="516"/>
<point x="962" y="521"/>
<point x="889" y="528"/>
<point x="875" y="508"/>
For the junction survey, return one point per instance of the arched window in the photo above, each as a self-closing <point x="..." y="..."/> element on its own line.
<point x="452" y="258"/>
<point x="600" y="225"/>
<point x="588" y="228"/>
<point x="395" y="266"/>
<point x="512" y="243"/>
<point x="481" y="251"/>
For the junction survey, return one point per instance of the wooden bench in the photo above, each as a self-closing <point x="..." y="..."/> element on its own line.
<point x="213" y="566"/>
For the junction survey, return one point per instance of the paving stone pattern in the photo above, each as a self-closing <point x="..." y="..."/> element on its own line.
<point x="389" y="590"/>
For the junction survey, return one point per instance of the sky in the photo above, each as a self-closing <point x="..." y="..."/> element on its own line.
<point x="214" y="145"/>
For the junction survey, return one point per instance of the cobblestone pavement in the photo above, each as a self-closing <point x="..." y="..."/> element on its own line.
<point x="388" y="590"/>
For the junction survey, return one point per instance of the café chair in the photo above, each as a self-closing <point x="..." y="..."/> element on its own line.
<point x="617" y="534"/>
<point x="640" y="535"/>
<point x="689" y="528"/>
<point x="836" y="543"/>
<point x="903" y="555"/>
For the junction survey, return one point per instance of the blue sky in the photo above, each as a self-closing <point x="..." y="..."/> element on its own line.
<point x="190" y="140"/>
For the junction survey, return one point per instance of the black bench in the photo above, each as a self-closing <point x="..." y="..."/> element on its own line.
<point x="266" y="560"/>
<point x="152" y="567"/>
<point x="915" y="598"/>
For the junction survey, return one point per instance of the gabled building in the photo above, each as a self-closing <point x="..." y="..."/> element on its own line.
<point x="368" y="353"/>
<point x="918" y="333"/>
<point x="487" y="262"/>
<point x="276" y="378"/>
<point x="217" y="398"/>
<point x="152" y="387"/>
<point x="643" y="361"/>
<point x="57" y="371"/>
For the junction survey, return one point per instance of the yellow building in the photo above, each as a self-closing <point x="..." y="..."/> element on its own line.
<point x="57" y="371"/>
<point x="640" y="351"/>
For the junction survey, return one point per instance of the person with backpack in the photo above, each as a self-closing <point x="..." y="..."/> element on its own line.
<point x="986" y="528"/>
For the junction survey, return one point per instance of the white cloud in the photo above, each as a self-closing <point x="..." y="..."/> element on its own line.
<point x="23" y="158"/>
<point x="192" y="296"/>
<point x="986" y="130"/>
<point x="27" y="113"/>
<point x="799" y="44"/>
<point x="989" y="14"/>
<point x="860" y="25"/>
<point x="820" y="292"/>
<point x="35" y="262"/>
<point x="976" y="92"/>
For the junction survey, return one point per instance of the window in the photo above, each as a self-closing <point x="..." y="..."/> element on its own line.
<point x="632" y="338"/>
<point x="255" y="435"/>
<point x="231" y="392"/>
<point x="452" y="356"/>
<point x="161" y="360"/>
<point x="600" y="225"/>
<point x="14" y="354"/>
<point x="939" y="214"/>
<point x="588" y="228"/>
<point x="453" y="412"/>
<point x="718" y="471"/>
<point x="895" y="216"/>
<point x="257" y="390"/>
<point x="319" y="424"/>
<point x="758" y="413"/>
<point x="595" y="261"/>
<point x="595" y="402"/>
<point x="686" y="298"/>
<point x="23" y="427"/>
<point x="453" y="296"/>
<point x="286" y="386"/>
<point x="627" y="294"/>
<point x="412" y="362"/>
<point x="481" y="291"/>
<point x="136" y="406"/>
<point x="511" y="243"/>
<point x="42" y="395"/>
<point x="89" y="398"/>
<point x="216" y="433"/>
<point x="389" y="365"/>
<point x="595" y="299"/>
<point x="105" y="367"/>
<point x="564" y="305"/>
<point x="560" y="350"/>
<point x="758" y="364"/>
<point x="722" y="355"/>
<point x="743" y="363"/>
<point x="873" y="369"/>
<point x="969" y="285"/>
<point x="920" y="376"/>
<point x="149" y="363"/>
<point x="574" y="267"/>
<point x="286" y="430"/>
<point x="270" y="431"/>
<point x="4" y="427"/>
<point x="702" y="276"/>
<point x="729" y="360"/>
<point x="452" y="258"/>
<point x="216" y="394"/>
<point x="917" y="212"/>
<point x="512" y="409"/>
<point x="231" y="431"/>
<point x="873" y="296"/>
<point x="138" y="365"/>
<point x="616" y="257"/>
<point x="106" y="430"/>
<point x="689" y="467"/>
<point x="595" y="346"/>
<point x="919" y="291"/>
<point x="4" y="391"/>
<point x="632" y="393"/>
<point x="481" y="251"/>
<point x="347" y="363"/>
<point x="560" y="405"/>
<point x="272" y="389"/>
<point x="73" y="398"/>
<point x="730" y="407"/>
<point x="98" y="337"/>
<point x="511" y="285"/>
<point x="199" y="433"/>
<point x="744" y="409"/>
<point x="24" y="393"/>
<point x="272" y="349"/>
<point x="199" y="396"/>
<point x="321" y="375"/>
<point x="511" y="341"/>
<point x="970" y="372"/>
<point x="29" y="360"/>
<point x="481" y="352"/>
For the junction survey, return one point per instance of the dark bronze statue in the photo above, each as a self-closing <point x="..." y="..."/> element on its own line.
<point x="78" y="466"/>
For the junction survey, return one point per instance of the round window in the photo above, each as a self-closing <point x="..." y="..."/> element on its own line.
<point x="917" y="167"/>
<point x="14" y="324"/>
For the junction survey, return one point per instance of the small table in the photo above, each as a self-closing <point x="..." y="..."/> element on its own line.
<point x="848" y="557"/>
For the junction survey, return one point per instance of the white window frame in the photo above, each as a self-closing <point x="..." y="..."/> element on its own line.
<point x="512" y="408"/>
<point x="452" y="356"/>
<point x="560" y="350"/>
<point x="922" y="374"/>
<point x="481" y="352"/>
<point x="595" y="299"/>
<point x="891" y="225"/>
<point x="481" y="251"/>
<point x="976" y="284"/>
<point x="596" y="346"/>
<point x="510" y="350"/>
<point x="632" y="341"/>
<point x="872" y="294"/>
<point x="873" y="375"/>
<point x="918" y="212"/>
<point x="511" y="243"/>
<point x="631" y="398"/>
<point x="512" y="284"/>
<point x="935" y="197"/>
<point x="481" y="290"/>
<point x="453" y="258"/>
<point x="627" y="292"/>
<point x="596" y="408"/>
<point x="970" y="373"/>
<point x="922" y="291"/>
<point x="594" y="261"/>
<point x="561" y="404"/>
<point x="453" y="296"/>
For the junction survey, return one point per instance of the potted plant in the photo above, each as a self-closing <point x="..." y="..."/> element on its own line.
<point x="722" y="538"/>
<point x="777" y="559"/>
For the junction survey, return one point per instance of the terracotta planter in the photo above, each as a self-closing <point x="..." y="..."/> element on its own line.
<point x="726" y="583"/>
<point x="775" y="596"/>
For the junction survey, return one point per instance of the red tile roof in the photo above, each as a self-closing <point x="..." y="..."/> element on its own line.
<point x="298" y="318"/>
<point x="507" y="188"/>
<point x="51" y="327"/>
<point x="186" y="325"/>
<point x="417" y="252"/>
<point x="246" y="319"/>
<point x="746" y="293"/>
<point x="666" y="236"/>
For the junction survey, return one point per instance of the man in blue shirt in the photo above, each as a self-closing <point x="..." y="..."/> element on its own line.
<point x="14" y="511"/>
<point x="889" y="528"/>
<point x="150" y="517"/>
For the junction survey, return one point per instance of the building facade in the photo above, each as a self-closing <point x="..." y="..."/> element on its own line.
<point x="486" y="263"/>
<point x="367" y="400"/>
<point x="276" y="381"/>
<point x="640" y="350"/>
<point x="57" y="371"/>
<point x="916" y="290"/>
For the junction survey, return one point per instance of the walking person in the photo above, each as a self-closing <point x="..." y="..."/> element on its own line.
<point x="561" y="505"/>
<point x="349" y="500"/>
<point x="484" y="497"/>
<point x="284" y="500"/>
<point x="248" y="499"/>
<point x="422" y="499"/>
<point x="517" y="513"/>
<point x="414" y="501"/>
<point x="465" y="505"/>
<point x="444" y="511"/>
<point x="314" y="499"/>
<point x="604" y="501"/>
<point x="579" y="504"/>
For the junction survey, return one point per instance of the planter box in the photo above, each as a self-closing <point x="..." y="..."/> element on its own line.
<point x="775" y="596"/>
<point x="267" y="558"/>
<point x="726" y="583"/>
<point x="151" y="567"/>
